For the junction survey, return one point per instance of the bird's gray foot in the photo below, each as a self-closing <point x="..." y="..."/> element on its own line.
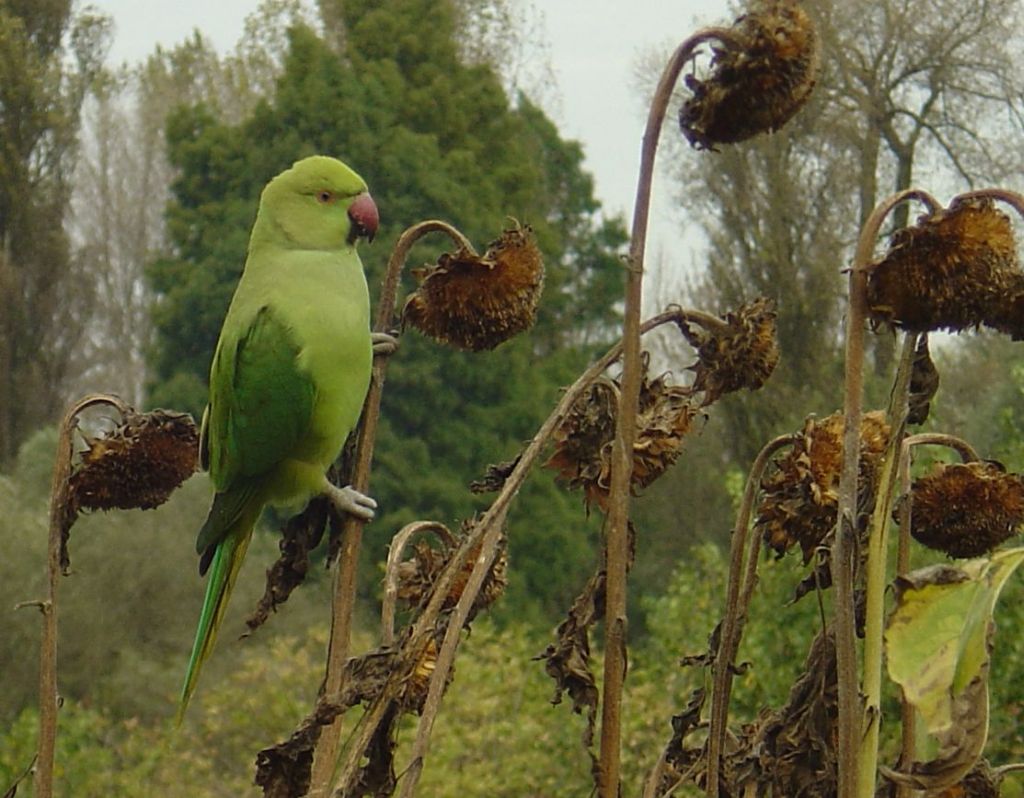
<point x="384" y="343"/>
<point x="349" y="500"/>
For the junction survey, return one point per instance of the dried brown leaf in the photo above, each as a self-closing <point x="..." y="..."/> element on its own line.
<point x="494" y="478"/>
<point x="567" y="660"/>
<point x="283" y="770"/>
<point x="924" y="383"/>
<point x="301" y="534"/>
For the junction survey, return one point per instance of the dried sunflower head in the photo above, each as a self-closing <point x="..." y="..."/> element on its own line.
<point x="138" y="464"/>
<point x="476" y="302"/>
<point x="757" y="86"/>
<point x="952" y="270"/>
<point x="583" y="442"/>
<point x="1008" y="315"/>
<point x="416" y="576"/>
<point x="966" y="509"/>
<point x="742" y="357"/>
<point x="800" y="497"/>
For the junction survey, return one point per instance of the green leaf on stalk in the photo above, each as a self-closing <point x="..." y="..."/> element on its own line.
<point x="938" y="643"/>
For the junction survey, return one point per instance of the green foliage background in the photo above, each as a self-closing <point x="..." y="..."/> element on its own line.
<point x="434" y="138"/>
<point x="386" y="87"/>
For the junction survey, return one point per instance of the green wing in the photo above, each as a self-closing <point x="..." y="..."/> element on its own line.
<point x="261" y="404"/>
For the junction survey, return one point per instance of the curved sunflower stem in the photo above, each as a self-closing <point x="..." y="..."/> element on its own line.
<point x="617" y="535"/>
<point x="1011" y="198"/>
<point x="62" y="516"/>
<point x="968" y="453"/>
<point x="908" y="717"/>
<point x="395" y="551"/>
<point x="842" y="560"/>
<point x="344" y="591"/>
<point x="706" y="320"/>
<point x="878" y="548"/>
<point x="736" y="606"/>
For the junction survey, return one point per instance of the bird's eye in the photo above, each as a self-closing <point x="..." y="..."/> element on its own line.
<point x="325" y="197"/>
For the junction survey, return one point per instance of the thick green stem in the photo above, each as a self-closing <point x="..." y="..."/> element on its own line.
<point x="878" y="550"/>
<point x="842" y="560"/>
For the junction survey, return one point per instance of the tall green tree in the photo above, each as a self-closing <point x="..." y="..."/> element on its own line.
<point x="435" y="136"/>
<point x="48" y="55"/>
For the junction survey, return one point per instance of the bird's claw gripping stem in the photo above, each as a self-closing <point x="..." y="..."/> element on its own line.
<point x="384" y="343"/>
<point x="349" y="500"/>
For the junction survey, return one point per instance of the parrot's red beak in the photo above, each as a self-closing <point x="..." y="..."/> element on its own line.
<point x="364" y="216"/>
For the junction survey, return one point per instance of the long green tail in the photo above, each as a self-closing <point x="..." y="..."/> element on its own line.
<point x="224" y="568"/>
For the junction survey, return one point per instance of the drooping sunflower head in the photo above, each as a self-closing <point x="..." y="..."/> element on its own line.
<point x="952" y="270"/>
<point x="476" y="302"/>
<point x="757" y="84"/>
<point x="966" y="509"/>
<point x="800" y="496"/>
<point x="744" y="355"/>
<point x="583" y="442"/>
<point x="138" y="464"/>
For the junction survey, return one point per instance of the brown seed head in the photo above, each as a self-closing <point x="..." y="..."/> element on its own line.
<point x="583" y="442"/>
<point x="952" y="270"/>
<point x="477" y="302"/>
<point x="138" y="464"/>
<point x="800" y="497"/>
<point x="416" y="576"/>
<point x="966" y="509"/>
<point x="758" y="86"/>
<point x="744" y="357"/>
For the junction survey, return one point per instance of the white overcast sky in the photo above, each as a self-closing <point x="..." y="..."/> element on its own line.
<point x="594" y="47"/>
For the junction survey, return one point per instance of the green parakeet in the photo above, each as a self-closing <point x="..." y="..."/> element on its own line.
<point x="289" y="374"/>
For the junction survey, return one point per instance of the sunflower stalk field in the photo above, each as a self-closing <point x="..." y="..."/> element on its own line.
<point x="893" y="655"/>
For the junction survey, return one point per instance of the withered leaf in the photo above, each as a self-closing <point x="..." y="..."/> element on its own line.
<point x="284" y="770"/>
<point x="301" y="534"/>
<point x="960" y="744"/>
<point x="494" y="478"/>
<point x="792" y="751"/>
<point x="924" y="383"/>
